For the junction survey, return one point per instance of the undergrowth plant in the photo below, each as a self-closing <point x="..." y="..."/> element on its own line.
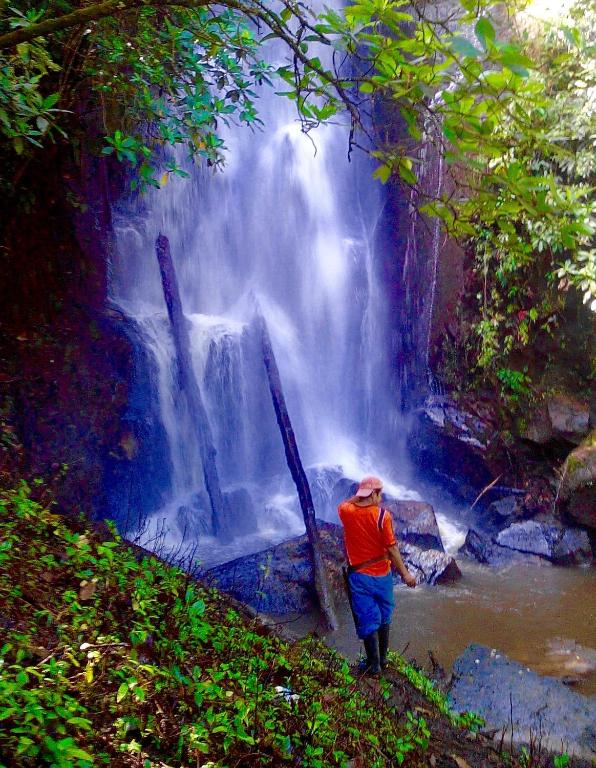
<point x="468" y="720"/>
<point x="110" y="657"/>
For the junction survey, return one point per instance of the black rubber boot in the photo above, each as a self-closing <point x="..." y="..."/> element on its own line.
<point x="371" y="646"/>
<point x="383" y="644"/>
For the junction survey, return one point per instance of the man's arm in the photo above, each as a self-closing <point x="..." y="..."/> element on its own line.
<point x="397" y="562"/>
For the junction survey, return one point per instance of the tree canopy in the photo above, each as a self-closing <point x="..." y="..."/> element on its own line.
<point x="510" y="111"/>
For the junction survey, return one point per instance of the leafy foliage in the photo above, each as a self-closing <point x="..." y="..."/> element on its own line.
<point x="530" y="248"/>
<point x="108" y="657"/>
<point x="512" y="117"/>
<point x="163" y="75"/>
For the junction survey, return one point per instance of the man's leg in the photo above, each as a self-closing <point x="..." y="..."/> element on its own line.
<point x="385" y="602"/>
<point x="383" y="645"/>
<point x="368" y="616"/>
<point x="371" y="646"/>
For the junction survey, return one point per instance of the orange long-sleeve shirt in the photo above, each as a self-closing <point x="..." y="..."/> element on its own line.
<point x="366" y="536"/>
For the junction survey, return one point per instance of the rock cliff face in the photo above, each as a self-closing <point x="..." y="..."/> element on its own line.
<point x="578" y="482"/>
<point x="473" y="431"/>
<point x="69" y="369"/>
<point x="510" y="474"/>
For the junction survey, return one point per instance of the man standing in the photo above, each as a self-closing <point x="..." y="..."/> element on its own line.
<point x="371" y="549"/>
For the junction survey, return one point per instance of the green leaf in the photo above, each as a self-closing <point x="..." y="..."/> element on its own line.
<point x="50" y="101"/>
<point x="485" y="32"/>
<point x="122" y="692"/>
<point x="80" y="754"/>
<point x="81" y="722"/>
<point x="464" y="47"/>
<point x="383" y="173"/>
<point x="406" y="172"/>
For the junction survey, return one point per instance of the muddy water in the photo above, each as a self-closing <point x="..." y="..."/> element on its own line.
<point x="543" y="617"/>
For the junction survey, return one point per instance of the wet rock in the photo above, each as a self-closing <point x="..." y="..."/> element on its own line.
<point x="537" y="429"/>
<point x="555" y="543"/>
<point x="529" y="536"/>
<point x="193" y="518"/>
<point x="499" y="514"/>
<point x="568" y="416"/>
<point x="572" y="547"/>
<point x="484" y="550"/>
<point x="450" y="445"/>
<point x="136" y="474"/>
<point x="429" y="566"/>
<point x="415" y="522"/>
<point x="277" y="581"/>
<point x="522" y="704"/>
<point x="578" y="482"/>
<point x="329" y="486"/>
<point x="343" y="489"/>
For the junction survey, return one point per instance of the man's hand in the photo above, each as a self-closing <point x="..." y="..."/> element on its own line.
<point x="395" y="557"/>
<point x="409" y="580"/>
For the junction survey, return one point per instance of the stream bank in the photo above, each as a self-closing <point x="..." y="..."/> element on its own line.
<point x="173" y="643"/>
<point x="532" y="617"/>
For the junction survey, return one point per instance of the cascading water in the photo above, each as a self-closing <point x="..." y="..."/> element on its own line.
<point x="291" y="222"/>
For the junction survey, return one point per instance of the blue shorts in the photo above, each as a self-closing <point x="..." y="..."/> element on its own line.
<point x="372" y="601"/>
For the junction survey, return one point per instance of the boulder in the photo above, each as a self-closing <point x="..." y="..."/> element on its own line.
<point x="556" y="543"/>
<point x="536" y="428"/>
<point x="530" y="537"/>
<point x="193" y="517"/>
<point x="327" y="483"/>
<point x="483" y="549"/>
<point x="499" y="514"/>
<point x="429" y="566"/>
<point x="572" y="547"/>
<point x="522" y="704"/>
<point x="568" y="416"/>
<point x="450" y="445"/>
<point x="578" y="482"/>
<point x="415" y="522"/>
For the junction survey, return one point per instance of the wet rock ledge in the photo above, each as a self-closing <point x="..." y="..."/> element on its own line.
<point x="521" y="705"/>
<point x="278" y="581"/>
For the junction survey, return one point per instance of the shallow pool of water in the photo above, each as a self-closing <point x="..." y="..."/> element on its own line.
<point x="543" y="617"/>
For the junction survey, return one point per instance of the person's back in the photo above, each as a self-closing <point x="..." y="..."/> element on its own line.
<point x="367" y="534"/>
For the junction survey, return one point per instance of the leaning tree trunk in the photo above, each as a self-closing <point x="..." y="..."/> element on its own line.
<point x="188" y="382"/>
<point x="298" y="474"/>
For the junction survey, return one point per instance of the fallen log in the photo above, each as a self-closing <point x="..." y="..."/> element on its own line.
<point x="298" y="475"/>
<point x="189" y="387"/>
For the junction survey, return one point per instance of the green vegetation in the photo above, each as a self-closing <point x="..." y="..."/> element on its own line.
<point x="531" y="248"/>
<point x="111" y="657"/>
<point x="467" y="720"/>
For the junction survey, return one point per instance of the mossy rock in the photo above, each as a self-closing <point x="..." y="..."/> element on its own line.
<point x="578" y="484"/>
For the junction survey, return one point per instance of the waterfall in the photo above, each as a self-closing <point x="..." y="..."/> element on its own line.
<point x="293" y="223"/>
